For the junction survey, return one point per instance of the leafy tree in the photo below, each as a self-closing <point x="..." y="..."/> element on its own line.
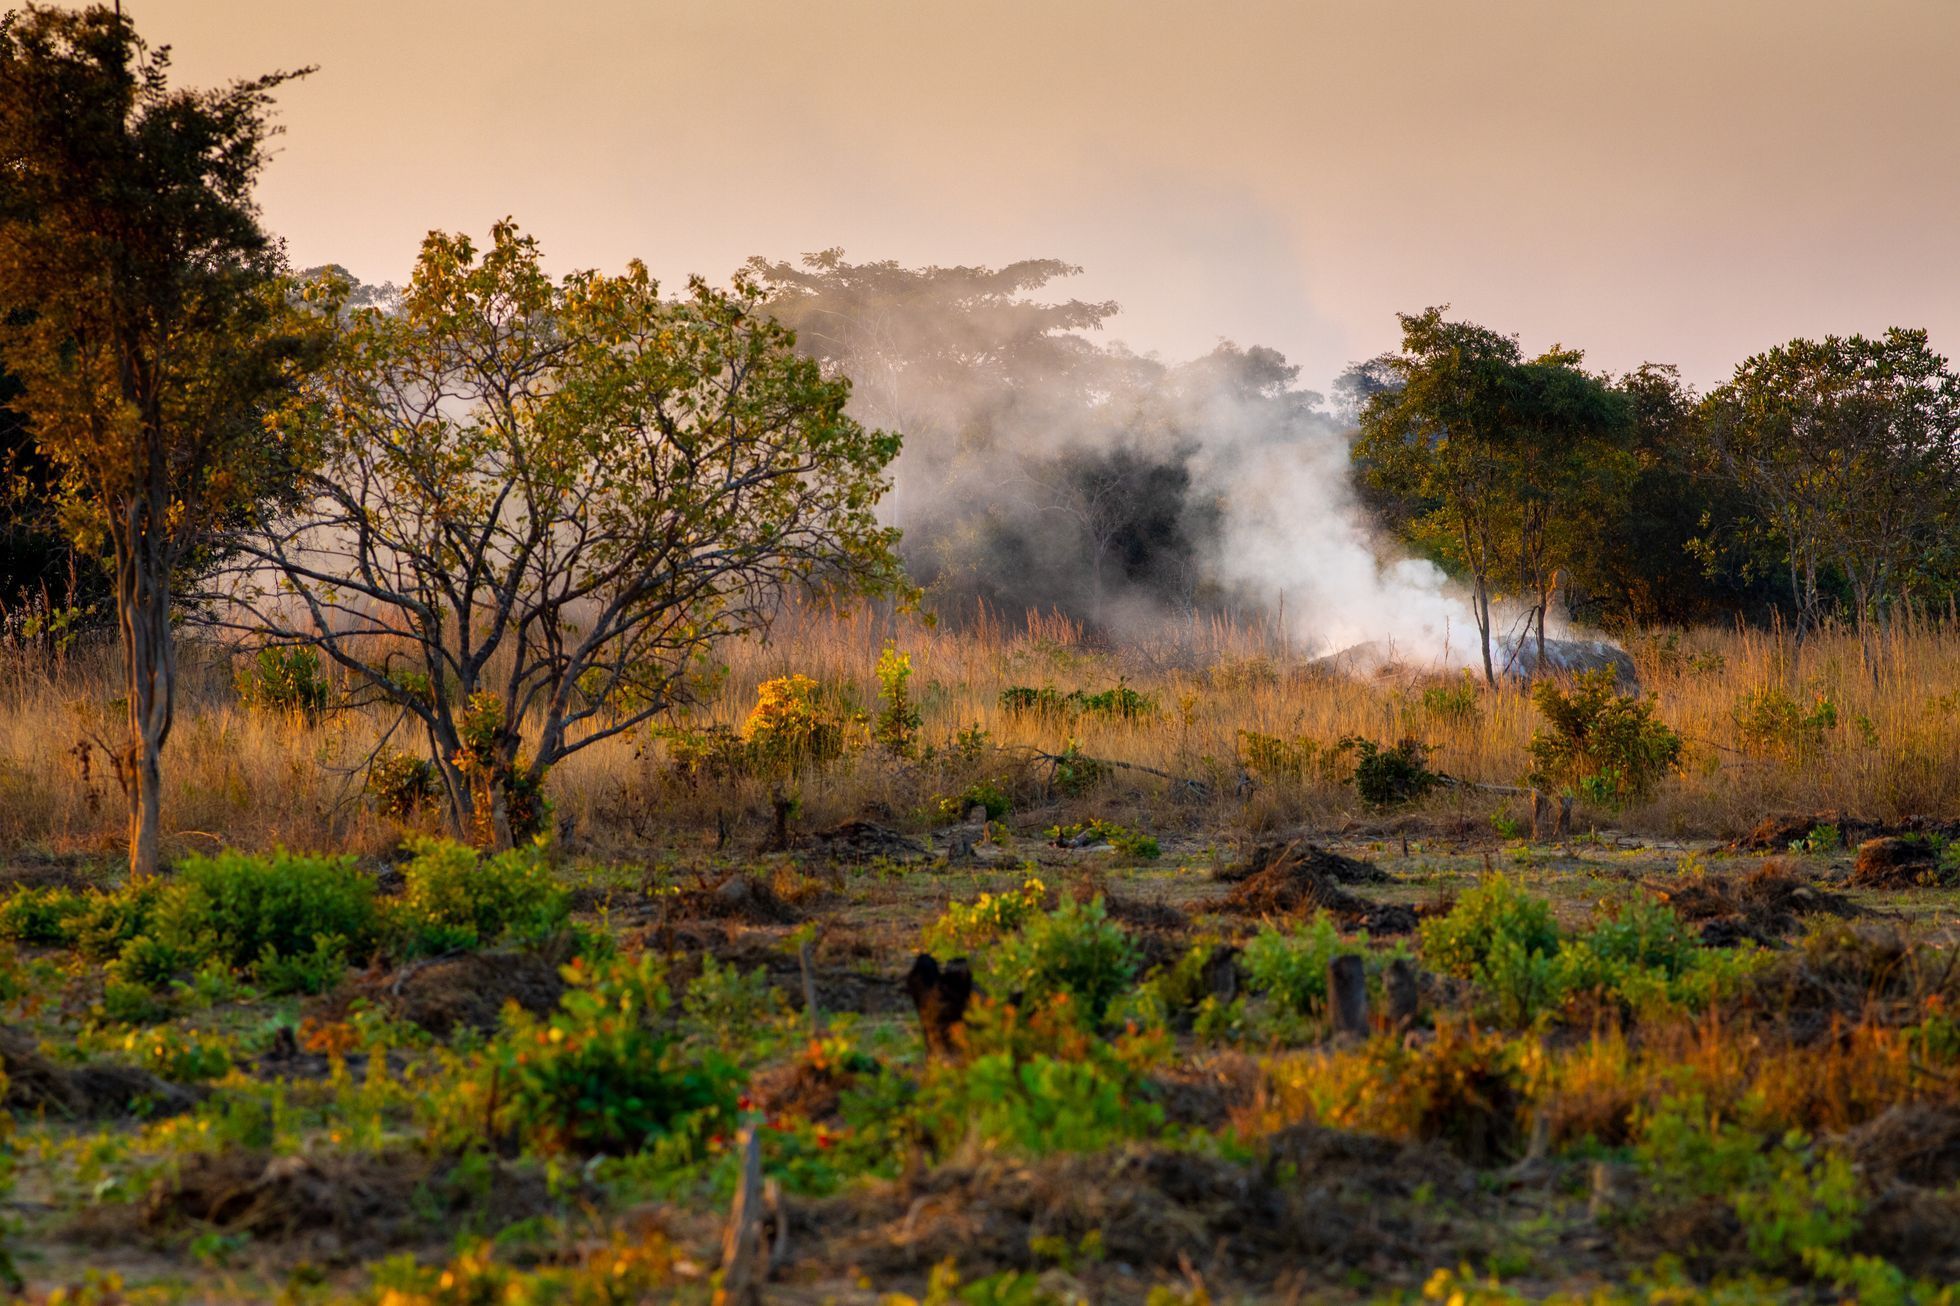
<point x="537" y="505"/>
<point x="1437" y="436"/>
<point x="1564" y="449"/>
<point x="1847" y="450"/>
<point x="141" y="315"/>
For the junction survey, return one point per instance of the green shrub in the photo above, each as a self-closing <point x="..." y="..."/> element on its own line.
<point x="1772" y="723"/>
<point x="291" y="921"/>
<point x="1505" y="940"/>
<point x="108" y="921"/>
<point x="1120" y="702"/>
<point x="967" y="925"/>
<point x="456" y="899"/>
<point x="41" y="915"/>
<point x="402" y="784"/>
<point x="1461" y="941"/>
<point x="726" y="1008"/>
<point x="1042" y="1105"/>
<point x="602" y="1074"/>
<point x="981" y="793"/>
<point x="1131" y="843"/>
<point x="1389" y="777"/>
<point x="285" y="680"/>
<point x="897" y="726"/>
<point x="1075" y="949"/>
<point x="1598" y="742"/>
<point x="1073" y="774"/>
<point x="1290" y="966"/>
<point x="1459" y="704"/>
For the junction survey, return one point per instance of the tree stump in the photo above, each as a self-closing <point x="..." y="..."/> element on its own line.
<point x="1404" y="994"/>
<point x="1347" y="995"/>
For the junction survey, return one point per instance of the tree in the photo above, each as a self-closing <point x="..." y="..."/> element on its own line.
<point x="536" y="506"/>
<point x="1436" y="436"/>
<point x="1848" y="451"/>
<point x="141" y="314"/>
<point x="1564" y="452"/>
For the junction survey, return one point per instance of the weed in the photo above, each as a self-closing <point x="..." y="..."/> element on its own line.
<point x="1389" y="777"/>
<point x="1606" y="745"/>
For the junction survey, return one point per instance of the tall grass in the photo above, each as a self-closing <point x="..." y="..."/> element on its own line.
<point x="1878" y="733"/>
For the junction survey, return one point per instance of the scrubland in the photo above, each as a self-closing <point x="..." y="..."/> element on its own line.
<point x="1698" y="1046"/>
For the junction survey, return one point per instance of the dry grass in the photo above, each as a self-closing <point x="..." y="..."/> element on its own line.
<point x="253" y="779"/>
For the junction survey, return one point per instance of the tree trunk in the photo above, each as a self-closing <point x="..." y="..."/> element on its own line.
<point x="149" y="664"/>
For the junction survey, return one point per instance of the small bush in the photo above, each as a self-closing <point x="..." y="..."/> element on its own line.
<point x="1460" y="704"/>
<point x="1119" y="703"/>
<point x="289" y="920"/>
<point x="285" y="680"/>
<point x="790" y="729"/>
<point x="1598" y="742"/>
<point x="1073" y="774"/>
<point x="601" y="1074"/>
<point x="1290" y="966"/>
<point x="1771" y="723"/>
<point x="1075" y="949"/>
<point x="725" y="1008"/>
<point x="1130" y="843"/>
<point x="43" y="915"/>
<point x="1389" y="777"/>
<point x="402" y="784"/>
<point x="967" y="925"/>
<point x="897" y="726"/>
<point x="981" y="793"/>
<point x="456" y="899"/>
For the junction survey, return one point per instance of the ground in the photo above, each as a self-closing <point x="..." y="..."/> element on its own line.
<point x="305" y="1164"/>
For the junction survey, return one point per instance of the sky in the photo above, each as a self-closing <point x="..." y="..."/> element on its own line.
<point x="1684" y="181"/>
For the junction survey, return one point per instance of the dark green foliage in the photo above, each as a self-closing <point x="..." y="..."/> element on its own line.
<point x="402" y="784"/>
<point x="458" y="899"/>
<point x="1389" y="777"/>
<point x="286" y="680"/>
<point x="603" y="1074"/>
<point x="1604" y="744"/>
<point x="289" y="920"/>
<point x="1075" y="949"/>
<point x="981" y="793"/>
<point x="1117" y="703"/>
<point x="41" y="915"/>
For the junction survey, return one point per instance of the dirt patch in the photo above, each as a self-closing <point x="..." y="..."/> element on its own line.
<point x="470" y="991"/>
<point x="862" y="841"/>
<point x="1298" y="883"/>
<point x="1207" y="1094"/>
<point x="335" y="1208"/>
<point x="1914" y="1143"/>
<point x="37" y="1084"/>
<point x="1155" y="1209"/>
<point x="1279" y="856"/>
<point x="1898" y="862"/>
<point x="746" y="898"/>
<point x="30" y="870"/>
<point x="1915" y="1229"/>
<point x="1775" y="834"/>
<point x="1760" y="905"/>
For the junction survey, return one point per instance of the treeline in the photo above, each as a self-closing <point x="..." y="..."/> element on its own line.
<point x="1821" y="480"/>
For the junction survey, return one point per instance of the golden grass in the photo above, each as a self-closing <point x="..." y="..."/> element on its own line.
<point x="253" y="778"/>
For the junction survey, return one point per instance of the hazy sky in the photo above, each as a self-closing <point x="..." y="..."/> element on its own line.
<point x="1678" y="181"/>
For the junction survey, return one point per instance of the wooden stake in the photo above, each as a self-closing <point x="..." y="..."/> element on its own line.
<point x="744" y="1264"/>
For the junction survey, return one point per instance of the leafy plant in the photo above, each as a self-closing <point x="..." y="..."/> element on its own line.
<point x="455" y="898"/>
<point x="1289" y="966"/>
<point x="981" y="793"/>
<point x="289" y="680"/>
<point x="1599" y="741"/>
<point x="402" y="784"/>
<point x="963" y="926"/>
<point x="1130" y="843"/>
<point x="266" y="915"/>
<point x="1459" y="704"/>
<point x="1075" y="949"/>
<point x="789" y="727"/>
<point x="601" y="1074"/>
<point x="1770" y="722"/>
<point x="1389" y="777"/>
<point x="897" y="726"/>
